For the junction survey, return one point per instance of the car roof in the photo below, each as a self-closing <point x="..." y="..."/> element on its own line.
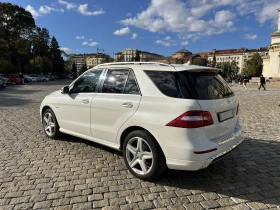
<point x="157" y="66"/>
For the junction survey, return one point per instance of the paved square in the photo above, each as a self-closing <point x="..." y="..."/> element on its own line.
<point x="70" y="173"/>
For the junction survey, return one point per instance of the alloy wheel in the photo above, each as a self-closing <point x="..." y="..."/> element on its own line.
<point x="49" y="124"/>
<point x="139" y="156"/>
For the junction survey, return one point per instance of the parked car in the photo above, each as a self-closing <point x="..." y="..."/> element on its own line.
<point x="13" y="79"/>
<point x="27" y="79"/>
<point x="160" y="116"/>
<point x="4" y="80"/>
<point x="2" y="84"/>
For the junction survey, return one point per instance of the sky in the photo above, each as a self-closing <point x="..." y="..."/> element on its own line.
<point x="157" y="26"/>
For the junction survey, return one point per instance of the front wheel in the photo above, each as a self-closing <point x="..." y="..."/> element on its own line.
<point x="50" y="125"/>
<point x="142" y="155"/>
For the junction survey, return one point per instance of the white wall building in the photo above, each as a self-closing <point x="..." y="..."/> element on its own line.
<point x="271" y="63"/>
<point x="129" y="54"/>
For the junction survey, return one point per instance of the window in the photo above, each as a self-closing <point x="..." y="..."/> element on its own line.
<point x="237" y="58"/>
<point x="191" y="85"/>
<point x="88" y="82"/>
<point x="131" y="86"/>
<point x="115" y="81"/>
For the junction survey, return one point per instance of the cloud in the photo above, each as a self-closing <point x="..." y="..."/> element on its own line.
<point x="185" y="43"/>
<point x="134" y="36"/>
<point x="33" y="12"/>
<point x="46" y="9"/>
<point x="92" y="44"/>
<point x="167" y="38"/>
<point x="197" y="19"/>
<point x="122" y="31"/>
<point x="165" y="43"/>
<point x="80" y="37"/>
<point x="43" y="10"/>
<point x="128" y="14"/>
<point x="68" y="5"/>
<point x="251" y="36"/>
<point x="65" y="49"/>
<point x="83" y="10"/>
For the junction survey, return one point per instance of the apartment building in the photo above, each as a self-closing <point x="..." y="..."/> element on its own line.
<point x="240" y="56"/>
<point x="128" y="54"/>
<point x="91" y="59"/>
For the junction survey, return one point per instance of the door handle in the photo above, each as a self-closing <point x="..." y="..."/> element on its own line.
<point x="85" y="101"/>
<point x="127" y="105"/>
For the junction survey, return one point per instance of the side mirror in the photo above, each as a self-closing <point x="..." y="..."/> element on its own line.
<point x="65" y="90"/>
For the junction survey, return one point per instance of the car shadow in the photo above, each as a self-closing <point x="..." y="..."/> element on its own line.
<point x="251" y="173"/>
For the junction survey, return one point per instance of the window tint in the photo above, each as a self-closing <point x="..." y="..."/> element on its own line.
<point x="131" y="86"/>
<point x="166" y="82"/>
<point x="115" y="81"/>
<point x="191" y="85"/>
<point x="88" y="82"/>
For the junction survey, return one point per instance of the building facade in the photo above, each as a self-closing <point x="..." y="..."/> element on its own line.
<point x="240" y="56"/>
<point x="271" y="63"/>
<point x="90" y="60"/>
<point x="128" y="55"/>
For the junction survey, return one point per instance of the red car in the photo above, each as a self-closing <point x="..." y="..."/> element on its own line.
<point x="13" y="79"/>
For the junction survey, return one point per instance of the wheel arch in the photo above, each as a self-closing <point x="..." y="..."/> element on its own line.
<point x="134" y="128"/>
<point x="48" y="107"/>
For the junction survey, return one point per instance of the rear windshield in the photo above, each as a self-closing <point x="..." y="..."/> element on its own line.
<point x="191" y="85"/>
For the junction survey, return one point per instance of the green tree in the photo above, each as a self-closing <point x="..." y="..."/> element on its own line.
<point x="253" y="67"/>
<point x="120" y="58"/>
<point x="83" y="69"/>
<point x="42" y="64"/>
<point x="214" y="62"/>
<point x="74" y="70"/>
<point x="137" y="56"/>
<point x="106" y="59"/>
<point x="15" y="23"/>
<point x="57" y="61"/>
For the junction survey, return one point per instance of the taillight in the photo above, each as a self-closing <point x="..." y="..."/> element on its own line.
<point x="237" y="109"/>
<point x="192" y="119"/>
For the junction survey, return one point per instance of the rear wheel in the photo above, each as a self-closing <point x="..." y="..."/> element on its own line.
<point x="50" y="125"/>
<point x="142" y="155"/>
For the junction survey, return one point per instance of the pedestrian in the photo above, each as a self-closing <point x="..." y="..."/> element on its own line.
<point x="21" y="78"/>
<point x="232" y="80"/>
<point x="262" y="81"/>
<point x="245" y="80"/>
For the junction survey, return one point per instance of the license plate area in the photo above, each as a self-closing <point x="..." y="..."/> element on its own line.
<point x="223" y="116"/>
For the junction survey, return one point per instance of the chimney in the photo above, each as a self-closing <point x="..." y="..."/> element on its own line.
<point x="278" y="18"/>
<point x="213" y="50"/>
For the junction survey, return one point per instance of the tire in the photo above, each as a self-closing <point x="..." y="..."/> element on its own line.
<point x="145" y="162"/>
<point x="50" y="125"/>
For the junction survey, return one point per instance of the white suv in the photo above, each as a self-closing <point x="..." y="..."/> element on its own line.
<point x="160" y="116"/>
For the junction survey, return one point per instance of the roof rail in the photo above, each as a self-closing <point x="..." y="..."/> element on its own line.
<point x="133" y="63"/>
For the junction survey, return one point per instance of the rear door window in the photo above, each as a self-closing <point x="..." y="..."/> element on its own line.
<point x="115" y="81"/>
<point x="191" y="85"/>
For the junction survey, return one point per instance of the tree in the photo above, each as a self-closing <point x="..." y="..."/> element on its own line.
<point x="74" y="70"/>
<point x="137" y="56"/>
<point x="106" y="59"/>
<point x="214" y="61"/>
<point x="83" y="69"/>
<point x="120" y="58"/>
<point x="57" y="61"/>
<point x="43" y="65"/>
<point x="15" y="23"/>
<point x="253" y="67"/>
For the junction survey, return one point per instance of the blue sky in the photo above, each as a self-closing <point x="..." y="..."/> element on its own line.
<point x="158" y="26"/>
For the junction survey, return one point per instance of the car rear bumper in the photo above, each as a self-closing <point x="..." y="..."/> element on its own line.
<point x="193" y="162"/>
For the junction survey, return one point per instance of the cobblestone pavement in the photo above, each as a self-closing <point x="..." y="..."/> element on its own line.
<point x="70" y="173"/>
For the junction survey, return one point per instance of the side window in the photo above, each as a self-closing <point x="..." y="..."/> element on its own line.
<point x="115" y="81"/>
<point x="131" y="86"/>
<point x="166" y="82"/>
<point x="88" y="82"/>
